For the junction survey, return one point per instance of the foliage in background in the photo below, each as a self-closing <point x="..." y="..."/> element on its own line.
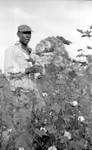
<point x="65" y="121"/>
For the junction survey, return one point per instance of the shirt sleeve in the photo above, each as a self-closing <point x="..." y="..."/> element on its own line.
<point x="8" y="61"/>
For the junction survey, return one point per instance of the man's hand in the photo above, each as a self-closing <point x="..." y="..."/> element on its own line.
<point x="27" y="70"/>
<point x="31" y="60"/>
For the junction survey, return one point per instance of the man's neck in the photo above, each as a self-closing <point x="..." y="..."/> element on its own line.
<point x="23" y="45"/>
<point x="25" y="48"/>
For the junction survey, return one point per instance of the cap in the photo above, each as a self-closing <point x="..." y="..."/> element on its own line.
<point x="24" y="28"/>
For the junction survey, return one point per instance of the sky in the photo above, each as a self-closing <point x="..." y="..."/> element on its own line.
<point x="46" y="18"/>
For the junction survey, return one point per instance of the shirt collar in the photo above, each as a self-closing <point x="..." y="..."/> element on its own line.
<point x="20" y="47"/>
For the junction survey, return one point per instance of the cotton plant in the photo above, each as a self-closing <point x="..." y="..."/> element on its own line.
<point x="60" y="118"/>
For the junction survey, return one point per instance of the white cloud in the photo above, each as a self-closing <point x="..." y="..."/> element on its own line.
<point x="19" y="13"/>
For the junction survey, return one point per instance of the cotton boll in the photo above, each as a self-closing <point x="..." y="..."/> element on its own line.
<point x="52" y="148"/>
<point x="21" y="148"/>
<point x="81" y="118"/>
<point x="44" y="94"/>
<point x="67" y="134"/>
<point x="37" y="75"/>
<point x="43" y="129"/>
<point x="74" y="103"/>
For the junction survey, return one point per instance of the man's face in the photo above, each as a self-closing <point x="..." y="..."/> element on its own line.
<point x="24" y="37"/>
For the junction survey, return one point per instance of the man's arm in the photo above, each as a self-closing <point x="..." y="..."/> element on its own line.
<point x="8" y="64"/>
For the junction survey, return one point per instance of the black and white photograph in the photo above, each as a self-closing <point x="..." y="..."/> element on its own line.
<point x="46" y="75"/>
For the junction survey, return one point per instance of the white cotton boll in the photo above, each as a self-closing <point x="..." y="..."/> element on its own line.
<point x="43" y="129"/>
<point x="67" y="134"/>
<point x="37" y="75"/>
<point x="74" y="103"/>
<point x="81" y="118"/>
<point x="9" y="130"/>
<point x="44" y="94"/>
<point x="21" y="148"/>
<point x="50" y="113"/>
<point x="52" y="148"/>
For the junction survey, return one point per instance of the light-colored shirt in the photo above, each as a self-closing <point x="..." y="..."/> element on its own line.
<point x="15" y="60"/>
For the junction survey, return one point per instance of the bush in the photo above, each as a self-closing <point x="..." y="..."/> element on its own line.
<point x="65" y="121"/>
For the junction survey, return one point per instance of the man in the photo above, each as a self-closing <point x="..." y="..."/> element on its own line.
<point x="16" y="56"/>
<point x="17" y="59"/>
<point x="18" y="62"/>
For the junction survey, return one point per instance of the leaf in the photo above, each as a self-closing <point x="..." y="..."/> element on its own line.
<point x="80" y="55"/>
<point x="72" y="74"/>
<point x="56" y="107"/>
<point x="78" y="145"/>
<point x="90" y="27"/>
<point x="80" y="50"/>
<point x="83" y="63"/>
<point x="64" y="40"/>
<point x="84" y="35"/>
<point x="89" y="47"/>
<point x="40" y="132"/>
<point x="81" y="31"/>
<point x="50" y="129"/>
<point x="24" y="140"/>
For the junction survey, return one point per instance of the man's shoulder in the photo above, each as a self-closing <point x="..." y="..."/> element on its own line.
<point x="12" y="47"/>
